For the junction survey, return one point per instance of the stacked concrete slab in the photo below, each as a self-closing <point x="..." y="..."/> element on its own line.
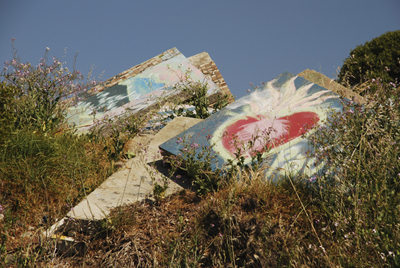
<point x="286" y="104"/>
<point x="134" y="181"/>
<point x="277" y="116"/>
<point x="140" y="88"/>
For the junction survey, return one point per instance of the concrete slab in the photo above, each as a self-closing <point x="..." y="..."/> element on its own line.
<point x="138" y="89"/>
<point x="326" y="82"/>
<point x="208" y="67"/>
<point x="134" y="181"/>
<point x="274" y="115"/>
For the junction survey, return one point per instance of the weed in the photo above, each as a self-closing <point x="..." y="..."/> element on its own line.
<point x="357" y="189"/>
<point x="45" y="169"/>
<point x="195" y="93"/>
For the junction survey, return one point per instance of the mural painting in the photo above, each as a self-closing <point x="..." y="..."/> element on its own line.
<point x="275" y="117"/>
<point x="138" y="92"/>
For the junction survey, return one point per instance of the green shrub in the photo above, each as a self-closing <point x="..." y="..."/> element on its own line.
<point x="379" y="57"/>
<point x="196" y="95"/>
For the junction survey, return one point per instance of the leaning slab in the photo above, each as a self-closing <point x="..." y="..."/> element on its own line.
<point x="326" y="82"/>
<point x="277" y="116"/>
<point x="141" y="87"/>
<point x="134" y="181"/>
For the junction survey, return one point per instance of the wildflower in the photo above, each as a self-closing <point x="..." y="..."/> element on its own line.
<point x="248" y="90"/>
<point x="195" y="145"/>
<point x="313" y="178"/>
<point x="179" y="140"/>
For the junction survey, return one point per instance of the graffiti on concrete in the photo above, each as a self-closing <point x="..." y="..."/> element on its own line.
<point x="275" y="118"/>
<point x="140" y="91"/>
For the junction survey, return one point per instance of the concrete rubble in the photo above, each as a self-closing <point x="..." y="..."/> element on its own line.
<point x="288" y="98"/>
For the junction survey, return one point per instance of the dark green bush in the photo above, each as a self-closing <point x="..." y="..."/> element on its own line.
<point x="379" y="57"/>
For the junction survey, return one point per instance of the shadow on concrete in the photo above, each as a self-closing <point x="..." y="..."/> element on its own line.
<point x="180" y="177"/>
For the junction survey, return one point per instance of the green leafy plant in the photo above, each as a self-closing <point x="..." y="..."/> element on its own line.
<point x="378" y="58"/>
<point x="198" y="162"/>
<point x="195" y="95"/>
<point x="114" y="133"/>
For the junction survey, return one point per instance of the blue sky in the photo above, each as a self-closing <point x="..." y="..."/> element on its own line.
<point x="250" y="41"/>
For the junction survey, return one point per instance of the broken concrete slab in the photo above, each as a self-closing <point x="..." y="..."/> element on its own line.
<point x="276" y="116"/>
<point x="141" y="87"/>
<point x="208" y="67"/>
<point x="134" y="182"/>
<point x="326" y="82"/>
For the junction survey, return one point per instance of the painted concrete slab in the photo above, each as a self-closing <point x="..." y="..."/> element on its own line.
<point x="278" y="113"/>
<point x="138" y="89"/>
<point x="134" y="181"/>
